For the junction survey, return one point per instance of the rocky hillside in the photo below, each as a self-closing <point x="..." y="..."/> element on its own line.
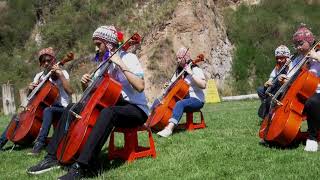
<point x="198" y="25"/>
<point x="165" y="25"/>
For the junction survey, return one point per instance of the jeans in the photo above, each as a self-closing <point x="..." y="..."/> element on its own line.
<point x="190" y="104"/>
<point x="49" y="113"/>
<point x="261" y="92"/>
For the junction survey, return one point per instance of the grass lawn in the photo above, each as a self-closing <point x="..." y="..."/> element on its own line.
<point x="227" y="149"/>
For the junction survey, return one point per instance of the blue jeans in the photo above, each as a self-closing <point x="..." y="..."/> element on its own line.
<point x="190" y="104"/>
<point x="49" y="113"/>
<point x="261" y="92"/>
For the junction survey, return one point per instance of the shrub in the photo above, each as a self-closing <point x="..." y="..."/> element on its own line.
<point x="257" y="30"/>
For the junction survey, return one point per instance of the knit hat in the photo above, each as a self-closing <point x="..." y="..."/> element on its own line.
<point x="106" y="34"/>
<point x="49" y="51"/>
<point x="282" y="50"/>
<point x="183" y="53"/>
<point x="303" y="34"/>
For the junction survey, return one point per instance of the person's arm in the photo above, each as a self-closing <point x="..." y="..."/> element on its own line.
<point x="197" y="76"/>
<point x="34" y="83"/>
<point x="85" y="81"/>
<point x="64" y="78"/>
<point x="136" y="81"/>
<point x="271" y="77"/>
<point x="314" y="55"/>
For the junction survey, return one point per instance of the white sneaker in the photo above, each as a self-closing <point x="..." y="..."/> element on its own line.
<point x="311" y="146"/>
<point x="166" y="132"/>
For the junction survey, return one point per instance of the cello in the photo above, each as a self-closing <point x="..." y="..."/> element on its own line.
<point x="176" y="91"/>
<point x="282" y="124"/>
<point x="264" y="107"/>
<point x="103" y="92"/>
<point x="24" y="128"/>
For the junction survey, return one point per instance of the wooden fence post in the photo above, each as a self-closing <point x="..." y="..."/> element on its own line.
<point x="23" y="96"/>
<point x="9" y="106"/>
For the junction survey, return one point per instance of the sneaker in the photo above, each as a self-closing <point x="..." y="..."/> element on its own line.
<point x="38" y="146"/>
<point x="311" y="146"/>
<point x="44" y="166"/>
<point x="75" y="173"/>
<point x="263" y="142"/>
<point x="166" y="132"/>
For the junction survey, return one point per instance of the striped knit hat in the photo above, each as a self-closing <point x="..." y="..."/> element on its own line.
<point x="282" y="50"/>
<point x="183" y="54"/>
<point x="48" y="51"/>
<point x="106" y="34"/>
<point x="303" y="34"/>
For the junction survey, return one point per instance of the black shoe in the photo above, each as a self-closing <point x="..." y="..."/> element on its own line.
<point x="75" y="173"/>
<point x="45" y="165"/>
<point x="2" y="144"/>
<point x="38" y="146"/>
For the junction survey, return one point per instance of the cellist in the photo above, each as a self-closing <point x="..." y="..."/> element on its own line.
<point x="282" y="55"/>
<point x="303" y="40"/>
<point x="130" y="111"/>
<point x="195" y="99"/>
<point x="60" y="78"/>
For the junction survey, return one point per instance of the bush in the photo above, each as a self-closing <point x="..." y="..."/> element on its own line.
<point x="257" y="30"/>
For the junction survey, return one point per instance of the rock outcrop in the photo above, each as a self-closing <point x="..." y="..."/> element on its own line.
<point x="198" y="25"/>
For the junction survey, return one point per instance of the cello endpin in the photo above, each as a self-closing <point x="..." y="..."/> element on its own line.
<point x="269" y="94"/>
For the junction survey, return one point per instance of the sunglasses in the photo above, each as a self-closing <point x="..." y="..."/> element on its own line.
<point x="298" y="43"/>
<point x="45" y="59"/>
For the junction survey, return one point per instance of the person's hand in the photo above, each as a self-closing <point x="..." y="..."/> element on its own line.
<point x="314" y="55"/>
<point x="32" y="85"/>
<point x="268" y="83"/>
<point x="188" y="70"/>
<point x="57" y="70"/>
<point x="85" y="79"/>
<point x="166" y="84"/>
<point x="283" y="78"/>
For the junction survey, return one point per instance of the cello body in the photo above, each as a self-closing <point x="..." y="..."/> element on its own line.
<point x="30" y="120"/>
<point x="161" y="114"/>
<point x="282" y="125"/>
<point x="106" y="94"/>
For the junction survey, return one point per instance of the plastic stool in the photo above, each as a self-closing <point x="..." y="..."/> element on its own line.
<point x="131" y="149"/>
<point x="190" y="125"/>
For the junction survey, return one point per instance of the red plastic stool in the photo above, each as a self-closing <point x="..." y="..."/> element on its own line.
<point x="131" y="149"/>
<point x="190" y="125"/>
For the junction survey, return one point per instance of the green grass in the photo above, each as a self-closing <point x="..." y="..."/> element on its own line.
<point x="227" y="149"/>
